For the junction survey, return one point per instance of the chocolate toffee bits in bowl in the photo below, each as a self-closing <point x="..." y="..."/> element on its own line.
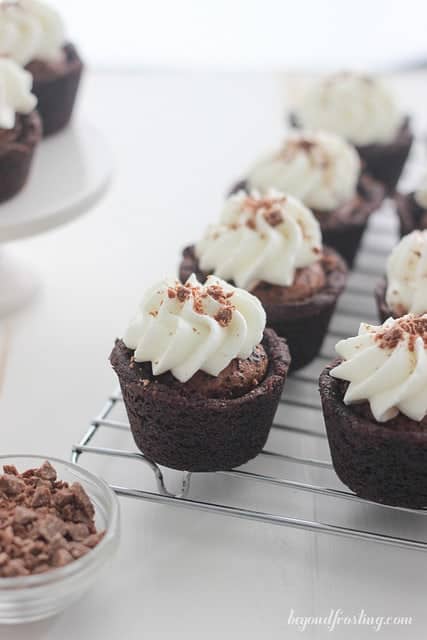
<point x="362" y="109"/>
<point x="271" y="245"/>
<point x="58" y="528"/>
<point x="201" y="377"/>
<point x="374" y="401"/>
<point x="404" y="289"/>
<point x="324" y="172"/>
<point x="20" y="127"/>
<point x="32" y="34"/>
<point x="411" y="208"/>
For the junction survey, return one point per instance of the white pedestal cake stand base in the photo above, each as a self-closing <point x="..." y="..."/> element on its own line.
<point x="71" y="172"/>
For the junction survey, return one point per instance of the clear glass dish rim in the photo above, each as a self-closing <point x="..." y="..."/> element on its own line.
<point x="77" y="566"/>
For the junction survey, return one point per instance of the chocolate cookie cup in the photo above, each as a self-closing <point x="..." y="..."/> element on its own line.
<point x="411" y="215"/>
<point x="384" y="462"/>
<point x="182" y="428"/>
<point x="343" y="228"/>
<point x="56" y="86"/>
<point x="384" y="311"/>
<point x="384" y="162"/>
<point x="403" y="289"/>
<point x="16" y="153"/>
<point x="303" y="323"/>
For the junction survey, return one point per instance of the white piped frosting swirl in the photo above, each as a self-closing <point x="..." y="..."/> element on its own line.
<point x="357" y="106"/>
<point x="407" y="275"/>
<point x="30" y="30"/>
<point x="420" y="194"/>
<point x="193" y="327"/>
<point x="320" y="169"/>
<point x="387" y="366"/>
<point x="15" y="93"/>
<point x="260" y="239"/>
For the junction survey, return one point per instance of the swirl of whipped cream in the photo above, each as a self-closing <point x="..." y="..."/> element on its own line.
<point x="15" y="92"/>
<point x="420" y="194"/>
<point x="387" y="366"/>
<point x="191" y="327"/>
<point x="407" y="275"/>
<point x="260" y="239"/>
<point x="30" y="30"/>
<point x="358" y="107"/>
<point x="320" y="169"/>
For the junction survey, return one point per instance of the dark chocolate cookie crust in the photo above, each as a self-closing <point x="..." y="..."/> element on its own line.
<point x="17" y="156"/>
<point x="385" y="162"/>
<point x="345" y="236"/>
<point x="384" y="310"/>
<point x="343" y="228"/>
<point x="56" y="94"/>
<point x="386" y="464"/>
<point x="411" y="216"/>
<point x="195" y="433"/>
<point x="303" y="323"/>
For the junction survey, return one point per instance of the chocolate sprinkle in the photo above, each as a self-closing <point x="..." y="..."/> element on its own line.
<point x="412" y="326"/>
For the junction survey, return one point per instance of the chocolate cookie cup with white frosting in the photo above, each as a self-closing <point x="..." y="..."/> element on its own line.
<point x="271" y="246"/>
<point x="324" y="172"/>
<point x="404" y="288"/>
<point x="20" y="128"/>
<point x="32" y="33"/>
<point x="201" y="377"/>
<point x="374" y="400"/>
<point x="362" y="109"/>
<point x="411" y="208"/>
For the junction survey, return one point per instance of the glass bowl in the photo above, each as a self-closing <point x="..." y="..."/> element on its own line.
<point x="29" y="598"/>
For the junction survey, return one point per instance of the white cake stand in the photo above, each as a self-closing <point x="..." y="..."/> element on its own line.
<point x="71" y="172"/>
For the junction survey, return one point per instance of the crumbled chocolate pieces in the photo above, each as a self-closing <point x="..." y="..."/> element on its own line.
<point x="217" y="293"/>
<point x="44" y="522"/>
<point x="412" y="326"/>
<point x="183" y="293"/>
<point x="270" y="207"/>
<point x="197" y="295"/>
<point x="314" y="151"/>
<point x="273" y="217"/>
<point x="224" y="316"/>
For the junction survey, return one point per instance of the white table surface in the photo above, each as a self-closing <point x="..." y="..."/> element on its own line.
<point x="179" y="140"/>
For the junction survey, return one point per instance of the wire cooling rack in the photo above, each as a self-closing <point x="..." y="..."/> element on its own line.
<point x="298" y="419"/>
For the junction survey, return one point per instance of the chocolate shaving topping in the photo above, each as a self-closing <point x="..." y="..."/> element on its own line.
<point x="269" y="206"/>
<point x="273" y="217"/>
<point x="44" y="522"/>
<point x="198" y="294"/>
<point x="183" y="293"/>
<point x="224" y="316"/>
<point x="412" y="327"/>
<point x="310" y="147"/>
<point x="216" y="292"/>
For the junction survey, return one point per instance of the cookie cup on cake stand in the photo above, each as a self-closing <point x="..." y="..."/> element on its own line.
<point x="56" y="87"/>
<point x="200" y="415"/>
<point x="324" y="172"/>
<point x="20" y="128"/>
<point x="375" y="412"/>
<point x="35" y="38"/>
<point x="271" y="245"/>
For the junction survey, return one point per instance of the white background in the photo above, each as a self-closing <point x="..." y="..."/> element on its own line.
<point x="256" y="34"/>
